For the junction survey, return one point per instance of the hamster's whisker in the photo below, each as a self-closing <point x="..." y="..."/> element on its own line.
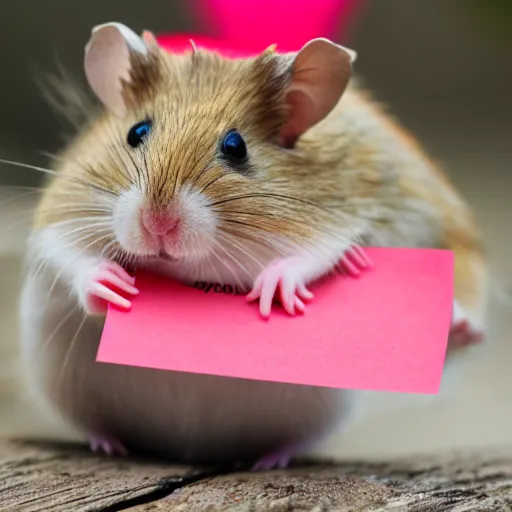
<point x="70" y="213"/>
<point x="100" y="174"/>
<point x="85" y="206"/>
<point x="29" y="214"/>
<point x="240" y="212"/>
<point x="347" y="240"/>
<point x="115" y="150"/>
<point x="17" y="197"/>
<point x="176" y="180"/>
<point x="228" y="240"/>
<point x="95" y="227"/>
<point x="146" y="167"/>
<point x="86" y="167"/>
<point x="51" y="156"/>
<point x="168" y="151"/>
<point x="264" y="230"/>
<point x="124" y="258"/>
<point x="143" y="178"/>
<point x="33" y="190"/>
<point x="20" y="218"/>
<point x="249" y="235"/>
<point x="58" y="328"/>
<point x="77" y="241"/>
<point x="163" y="174"/>
<point x="98" y="228"/>
<point x="201" y="265"/>
<point x="114" y="252"/>
<point x="142" y="182"/>
<point x="205" y="169"/>
<point x="138" y="163"/>
<point x="73" y="220"/>
<point x="247" y="224"/>
<point x="212" y="182"/>
<point x="233" y="258"/>
<point x="213" y="267"/>
<point x="36" y="267"/>
<point x="91" y="226"/>
<point x="233" y="273"/>
<point x="76" y="207"/>
<point x="57" y="175"/>
<point x="263" y="238"/>
<point x="106" y="250"/>
<point x="70" y="349"/>
<point x="22" y="187"/>
<point x="274" y="196"/>
<point x="77" y="257"/>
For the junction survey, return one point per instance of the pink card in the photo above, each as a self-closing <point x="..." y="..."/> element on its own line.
<point x="386" y="330"/>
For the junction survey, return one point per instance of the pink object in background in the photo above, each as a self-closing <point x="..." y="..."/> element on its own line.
<point x="386" y="331"/>
<point x="244" y="28"/>
<point x="255" y="24"/>
<point x="179" y="43"/>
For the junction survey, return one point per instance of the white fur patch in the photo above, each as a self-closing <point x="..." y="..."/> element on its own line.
<point x="197" y="226"/>
<point x="127" y="223"/>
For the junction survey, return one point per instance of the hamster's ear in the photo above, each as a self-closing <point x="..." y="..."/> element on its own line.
<point x="120" y="65"/>
<point x="320" y="72"/>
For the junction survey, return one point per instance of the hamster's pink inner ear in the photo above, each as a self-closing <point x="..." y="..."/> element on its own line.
<point x="320" y="74"/>
<point x="149" y="38"/>
<point x="109" y="60"/>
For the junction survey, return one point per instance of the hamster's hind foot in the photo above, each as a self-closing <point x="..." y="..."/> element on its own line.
<point x="107" y="446"/>
<point x="276" y="460"/>
<point x="462" y="331"/>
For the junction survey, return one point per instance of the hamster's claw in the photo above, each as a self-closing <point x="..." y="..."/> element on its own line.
<point x="104" y="284"/>
<point x="107" y="446"/>
<point x="285" y="276"/>
<point x="354" y="261"/>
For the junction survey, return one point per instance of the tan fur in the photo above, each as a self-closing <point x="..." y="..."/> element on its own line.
<point x="339" y="169"/>
<point x="356" y="175"/>
<point x="460" y="233"/>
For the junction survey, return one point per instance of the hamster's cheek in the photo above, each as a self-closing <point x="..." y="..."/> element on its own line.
<point x="198" y="225"/>
<point x="127" y="224"/>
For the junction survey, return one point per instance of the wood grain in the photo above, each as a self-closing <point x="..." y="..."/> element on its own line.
<point x="51" y="477"/>
<point x="458" y="484"/>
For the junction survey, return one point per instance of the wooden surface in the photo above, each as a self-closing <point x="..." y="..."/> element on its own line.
<point x="48" y="477"/>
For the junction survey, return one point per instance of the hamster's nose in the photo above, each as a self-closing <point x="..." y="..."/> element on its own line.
<point x="159" y="223"/>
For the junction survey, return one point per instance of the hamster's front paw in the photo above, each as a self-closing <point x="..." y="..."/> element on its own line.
<point x="354" y="261"/>
<point x="286" y="275"/>
<point x="102" y="284"/>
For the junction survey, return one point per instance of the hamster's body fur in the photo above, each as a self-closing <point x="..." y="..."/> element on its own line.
<point x="356" y="177"/>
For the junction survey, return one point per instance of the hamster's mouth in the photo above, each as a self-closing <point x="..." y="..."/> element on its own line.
<point x="162" y="255"/>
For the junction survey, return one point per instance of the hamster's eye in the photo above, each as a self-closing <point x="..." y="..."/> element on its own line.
<point x="233" y="147"/>
<point x="138" y="133"/>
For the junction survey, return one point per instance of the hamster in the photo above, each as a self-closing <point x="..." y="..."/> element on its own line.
<point x="265" y="173"/>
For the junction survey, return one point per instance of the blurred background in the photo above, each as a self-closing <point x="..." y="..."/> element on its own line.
<point x="444" y="68"/>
